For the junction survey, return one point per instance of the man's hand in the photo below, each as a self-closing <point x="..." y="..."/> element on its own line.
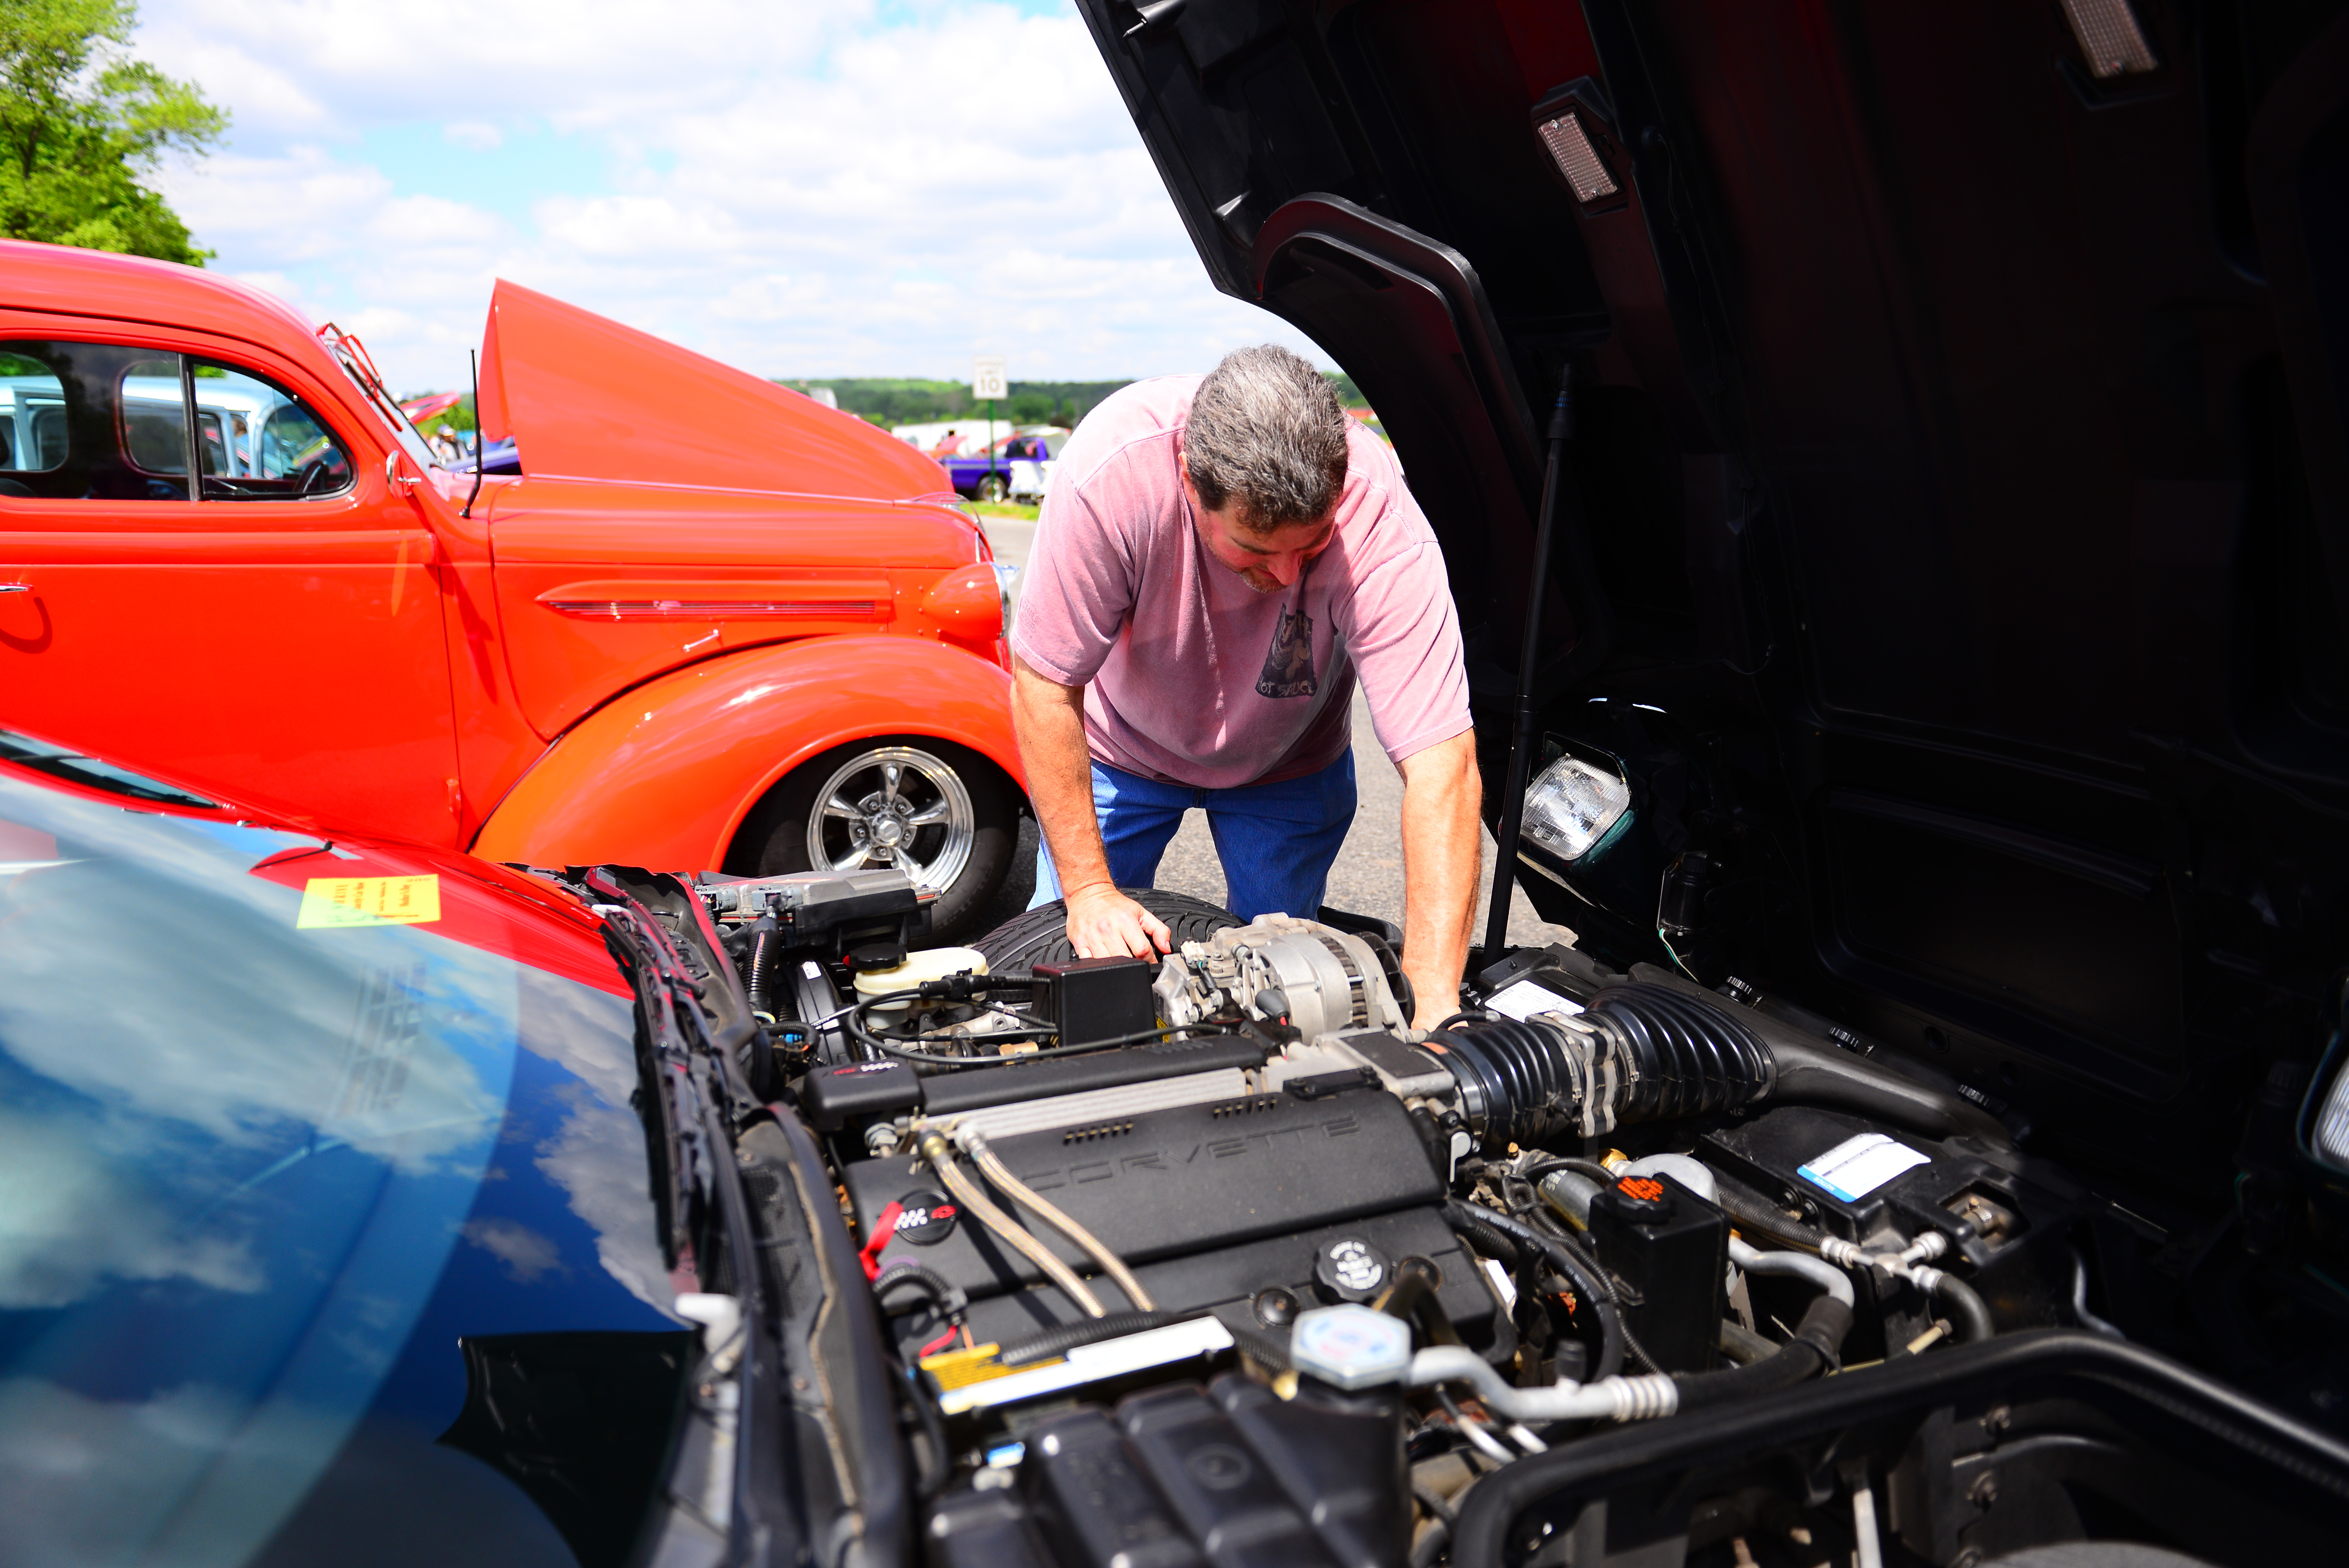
<point x="1442" y="855"/>
<point x="1105" y="924"/>
<point x="1050" y="720"/>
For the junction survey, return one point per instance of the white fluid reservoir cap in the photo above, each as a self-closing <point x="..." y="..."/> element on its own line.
<point x="930" y="964"/>
<point x="1350" y="1346"/>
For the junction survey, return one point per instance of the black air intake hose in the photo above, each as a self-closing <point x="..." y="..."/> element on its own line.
<point x="1686" y="1058"/>
<point x="1656" y="1055"/>
<point x="1518" y="1080"/>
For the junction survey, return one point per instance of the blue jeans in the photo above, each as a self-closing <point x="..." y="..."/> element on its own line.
<point x="1276" y="842"/>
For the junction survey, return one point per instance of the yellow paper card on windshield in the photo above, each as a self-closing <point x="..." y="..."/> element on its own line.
<point x="368" y="901"/>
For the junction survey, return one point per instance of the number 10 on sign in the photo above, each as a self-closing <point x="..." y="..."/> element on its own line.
<point x="987" y="382"/>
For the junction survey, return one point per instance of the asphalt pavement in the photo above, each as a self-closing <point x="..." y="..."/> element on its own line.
<point x="1368" y="876"/>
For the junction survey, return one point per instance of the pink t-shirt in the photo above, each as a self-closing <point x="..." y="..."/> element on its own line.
<point x="1194" y="677"/>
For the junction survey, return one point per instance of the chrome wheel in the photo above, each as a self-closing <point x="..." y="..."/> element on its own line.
<point x="894" y="805"/>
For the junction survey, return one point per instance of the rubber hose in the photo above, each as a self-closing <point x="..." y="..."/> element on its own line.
<point x="1492" y="1243"/>
<point x="1584" y="1279"/>
<point x="1971" y="1314"/>
<point x="1069" y="1335"/>
<point x="1802" y="1266"/>
<point x="1739" y="1205"/>
<point x="944" y="1294"/>
<point x="1818" y="1340"/>
<point x="932" y="1477"/>
<point x="1810" y="1071"/>
<point x="1519" y="1078"/>
<point x="1686" y="1058"/>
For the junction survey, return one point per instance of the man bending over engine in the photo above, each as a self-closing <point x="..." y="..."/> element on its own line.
<point x="1217" y="560"/>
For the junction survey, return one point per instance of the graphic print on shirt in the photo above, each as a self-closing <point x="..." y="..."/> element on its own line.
<point x="1289" y="663"/>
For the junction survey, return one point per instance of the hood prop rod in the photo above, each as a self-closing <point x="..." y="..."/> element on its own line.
<point x="1521" y="745"/>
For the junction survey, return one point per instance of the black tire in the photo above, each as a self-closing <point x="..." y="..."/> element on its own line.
<point x="1041" y="934"/>
<point x="779" y="827"/>
<point x="994" y="487"/>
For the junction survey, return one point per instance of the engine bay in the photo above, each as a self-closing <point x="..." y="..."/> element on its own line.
<point x="1216" y="1260"/>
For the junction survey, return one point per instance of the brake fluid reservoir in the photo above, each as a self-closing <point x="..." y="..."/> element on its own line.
<point x="930" y="964"/>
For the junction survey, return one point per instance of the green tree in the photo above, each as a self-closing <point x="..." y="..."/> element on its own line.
<point x="82" y="123"/>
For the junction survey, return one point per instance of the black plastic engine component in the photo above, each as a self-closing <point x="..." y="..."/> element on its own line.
<point x="2015" y="1230"/>
<point x="1183" y="1180"/>
<point x="1351" y="1268"/>
<point x="1972" y="1452"/>
<point x="834" y="1096"/>
<point x="1668" y="1251"/>
<point x="1650" y="1055"/>
<point x="950" y="1093"/>
<point x="1089" y="999"/>
<point x="1183" y="1476"/>
<point x="831" y="910"/>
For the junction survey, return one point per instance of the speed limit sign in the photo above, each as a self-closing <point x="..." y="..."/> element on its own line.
<point x="987" y="379"/>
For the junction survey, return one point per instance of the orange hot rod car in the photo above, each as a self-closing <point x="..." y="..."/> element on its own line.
<point x="711" y="623"/>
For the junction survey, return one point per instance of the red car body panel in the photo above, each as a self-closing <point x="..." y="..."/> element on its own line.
<point x="639" y="782"/>
<point x="483" y="905"/>
<point x="586" y="397"/>
<point x="377" y="661"/>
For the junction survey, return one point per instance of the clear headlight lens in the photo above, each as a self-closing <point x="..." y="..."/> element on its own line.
<point x="2331" y="1133"/>
<point x="1572" y="806"/>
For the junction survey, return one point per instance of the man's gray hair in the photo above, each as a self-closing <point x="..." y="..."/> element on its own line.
<point x="1266" y="431"/>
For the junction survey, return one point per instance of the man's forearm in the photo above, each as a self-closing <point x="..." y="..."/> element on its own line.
<point x="1442" y="856"/>
<point x="1048" y="721"/>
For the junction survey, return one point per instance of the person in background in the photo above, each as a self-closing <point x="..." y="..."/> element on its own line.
<point x="1218" y="562"/>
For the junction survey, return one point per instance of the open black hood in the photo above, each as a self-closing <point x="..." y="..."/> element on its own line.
<point x="1963" y="551"/>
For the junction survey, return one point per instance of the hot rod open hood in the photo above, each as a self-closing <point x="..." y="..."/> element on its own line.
<point x="1963" y="541"/>
<point x="586" y="397"/>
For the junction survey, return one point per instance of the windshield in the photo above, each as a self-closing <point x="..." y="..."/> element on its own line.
<point x="293" y="1181"/>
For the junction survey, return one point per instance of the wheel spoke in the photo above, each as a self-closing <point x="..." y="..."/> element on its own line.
<point x="889" y="775"/>
<point x="839" y="806"/>
<point x="935" y="811"/>
<point x="913" y="867"/>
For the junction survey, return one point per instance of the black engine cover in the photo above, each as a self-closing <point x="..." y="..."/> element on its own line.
<point x="1209" y="1203"/>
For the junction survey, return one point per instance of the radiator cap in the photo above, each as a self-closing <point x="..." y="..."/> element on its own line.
<point x="1350" y="1346"/>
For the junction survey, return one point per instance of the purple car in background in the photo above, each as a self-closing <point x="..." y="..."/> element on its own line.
<point x="1015" y="469"/>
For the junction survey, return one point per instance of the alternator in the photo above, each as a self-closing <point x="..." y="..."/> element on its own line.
<point x="1333" y="982"/>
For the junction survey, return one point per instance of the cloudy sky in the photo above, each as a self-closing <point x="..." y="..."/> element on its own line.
<point x="797" y="187"/>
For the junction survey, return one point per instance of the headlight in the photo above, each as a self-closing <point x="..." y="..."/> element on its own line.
<point x="1574" y="805"/>
<point x="2330" y="1133"/>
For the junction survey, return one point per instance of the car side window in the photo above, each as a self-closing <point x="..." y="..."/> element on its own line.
<point x="32" y="422"/>
<point x="258" y="441"/>
<point x="105" y="421"/>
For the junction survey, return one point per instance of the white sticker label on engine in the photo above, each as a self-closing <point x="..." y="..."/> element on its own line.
<point x="1524" y="999"/>
<point x="1858" y="1166"/>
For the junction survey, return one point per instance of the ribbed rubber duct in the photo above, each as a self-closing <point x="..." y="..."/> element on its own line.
<point x="1651" y="1054"/>
<point x="1518" y="1081"/>
<point x="1685" y="1058"/>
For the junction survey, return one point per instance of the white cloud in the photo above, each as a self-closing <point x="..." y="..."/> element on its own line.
<point x="795" y="188"/>
<point x="525" y="1253"/>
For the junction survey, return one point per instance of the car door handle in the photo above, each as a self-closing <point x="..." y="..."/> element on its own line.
<point x="15" y="587"/>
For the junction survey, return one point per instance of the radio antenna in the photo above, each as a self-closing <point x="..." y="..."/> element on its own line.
<point x="475" y="357"/>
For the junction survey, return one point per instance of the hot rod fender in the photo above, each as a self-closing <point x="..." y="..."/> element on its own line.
<point x="663" y="775"/>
